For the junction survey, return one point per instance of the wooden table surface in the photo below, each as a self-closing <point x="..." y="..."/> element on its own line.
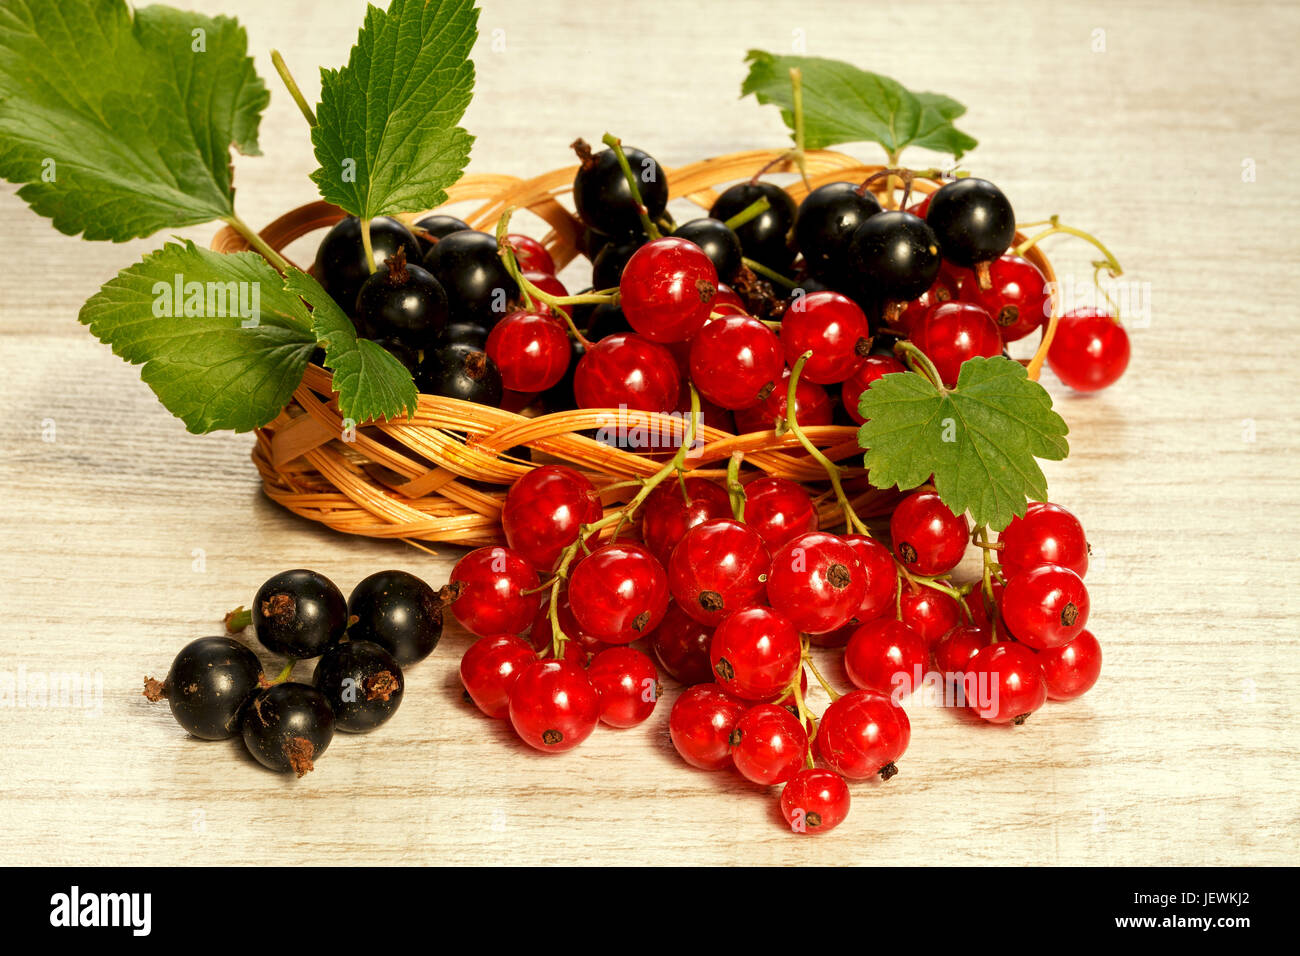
<point x="123" y="537"/>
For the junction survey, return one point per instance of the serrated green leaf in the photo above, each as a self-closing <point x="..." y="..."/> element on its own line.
<point x="843" y="104"/>
<point x="117" y="125"/>
<point x="370" y="382"/>
<point x="979" y="440"/>
<point x="387" y="139"/>
<point x="232" y="366"/>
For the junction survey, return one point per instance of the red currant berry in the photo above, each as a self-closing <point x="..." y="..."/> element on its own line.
<point x="553" y="706"/>
<point x="530" y="254"/>
<point x="674" y="507"/>
<point x="1018" y="300"/>
<point x="954" y="650"/>
<point x="873" y="367"/>
<point x="624" y="593"/>
<point x="755" y="653"/>
<point x="727" y="302"/>
<point x="701" y="723"/>
<point x="682" y="645"/>
<point x="531" y="350"/>
<point x="667" y="289"/>
<point x="489" y="669"/>
<point x="882" y="579"/>
<point x="816" y="581"/>
<point x="551" y="286"/>
<point x="953" y="332"/>
<point x="627" y="683"/>
<point x="862" y="734"/>
<point x="768" y="745"/>
<point x="718" y="567"/>
<point x="1047" y="534"/>
<point x="779" y="509"/>
<point x="928" y="538"/>
<point x="946" y="287"/>
<point x="929" y="613"/>
<point x="886" y="656"/>
<point x="812" y="406"/>
<point x="833" y="328"/>
<point x="979" y="612"/>
<point x="580" y="645"/>
<point x="1045" y="607"/>
<point x="815" y="801"/>
<point x="544" y="511"/>
<point x="736" y="361"/>
<point x="1004" y="683"/>
<point x="490" y="590"/>
<point x="1071" y="669"/>
<point x="626" y="370"/>
<point x="1089" y="351"/>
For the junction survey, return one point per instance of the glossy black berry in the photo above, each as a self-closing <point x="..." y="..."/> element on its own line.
<point x="719" y="243"/>
<point x="765" y="238"/>
<point x="559" y="397"/>
<point x="399" y="612"/>
<point x="403" y="353"/>
<point x="591" y="241"/>
<point x="972" y="220"/>
<point x="341" y="265"/>
<point x="896" y="253"/>
<point x="363" y="683"/>
<point x="604" y="199"/>
<point x="459" y="371"/>
<point x="607" y="269"/>
<point x="478" y="287"/>
<point x="299" y="614"/>
<point x="607" y="319"/>
<point x="209" y="682"/>
<point x="432" y="228"/>
<point x="463" y="333"/>
<point x="402" y="302"/>
<point x="287" y="727"/>
<point x="827" y="219"/>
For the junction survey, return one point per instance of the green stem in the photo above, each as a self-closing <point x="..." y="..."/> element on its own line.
<point x="796" y="96"/>
<point x="806" y="716"/>
<point x="771" y="274"/>
<point x="735" y="489"/>
<point x="292" y="86"/>
<point x="920" y="363"/>
<point x="830" y="691"/>
<point x="257" y="242"/>
<point x="752" y="211"/>
<point x="1110" y="263"/>
<point x="238" y="619"/>
<point x="285" y="673"/>
<point x="616" y="144"/>
<point x="368" y="246"/>
<point x="531" y="293"/>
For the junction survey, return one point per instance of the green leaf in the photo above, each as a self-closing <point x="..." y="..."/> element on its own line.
<point x="980" y="440"/>
<point x="229" y="358"/>
<point x="843" y="104"/>
<point x="386" y="138"/>
<point x="370" y="382"/>
<point x="118" y="125"/>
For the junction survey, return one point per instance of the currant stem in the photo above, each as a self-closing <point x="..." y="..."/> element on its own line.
<point x="920" y="363"/>
<point x="812" y="666"/>
<point x="285" y="673"/>
<point x="616" y="144"/>
<point x="238" y="619"/>
<point x="258" y="243"/>
<point x="771" y="274"/>
<point x="734" y="488"/>
<point x="805" y="715"/>
<point x="531" y="293"/>
<point x="752" y="211"/>
<point x="796" y="98"/>
<point x="292" y="86"/>
<point x="368" y="246"/>
<point x="1110" y="263"/>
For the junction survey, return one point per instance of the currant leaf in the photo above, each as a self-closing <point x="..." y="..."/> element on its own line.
<point x="980" y="440"/>
<point x="120" y="125"/>
<point x="843" y="104"/>
<point x="387" y="139"/>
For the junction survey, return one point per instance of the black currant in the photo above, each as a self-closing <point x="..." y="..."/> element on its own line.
<point x="765" y="238"/>
<point x="827" y="219"/>
<point x="719" y="243"/>
<point x="403" y="302"/>
<point x="973" y="221"/>
<point x="207" y="686"/>
<point x="408" y="356"/>
<point x="399" y="612"/>
<point x="459" y="371"/>
<point x="559" y="397"/>
<point x="341" y="265"/>
<point x="607" y="268"/>
<point x="299" y="614"/>
<point x="478" y="287"/>
<point x="288" y="726"/>
<point x="432" y="228"/>
<point x="592" y="241"/>
<point x="896" y="253"/>
<point x="607" y="319"/>
<point x="463" y="333"/>
<point x="604" y="199"/>
<point x="363" y="683"/>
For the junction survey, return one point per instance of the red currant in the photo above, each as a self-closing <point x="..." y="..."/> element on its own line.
<point x="541" y="636"/>
<point x="727" y="302"/>
<point x="627" y="370"/>
<point x="953" y="332"/>
<point x="544" y="511"/>
<point x="873" y="367"/>
<point x="667" y="289"/>
<point x="755" y="653"/>
<point x="955" y="649"/>
<point x="701" y="723"/>
<point x="718" y="567"/>
<point x="553" y="706"/>
<point x="929" y="613"/>
<point x="627" y="683"/>
<point x="530" y="349"/>
<point x="1089" y="351"/>
<point x="736" y="361"/>
<point x="833" y="328"/>
<point x="489" y="669"/>
<point x="551" y="286"/>
<point x="862" y="734"/>
<point x="979" y="612"/>
<point x="945" y="288"/>
<point x="682" y="645"/>
<point x="1071" y="669"/>
<point x="490" y="592"/>
<point x="812" y="406"/>
<point x="769" y="745"/>
<point x="1047" y="534"/>
<point x="1004" y="683"/>
<point x="815" y="801"/>
<point x="886" y="656"/>
<point x="816" y="581"/>
<point x="674" y="507"/>
<point x="624" y="593"/>
<point x="530" y="254"/>
<point x="928" y="538"/>
<point x="779" y="509"/>
<point x="1045" y="607"/>
<point x="1018" y="300"/>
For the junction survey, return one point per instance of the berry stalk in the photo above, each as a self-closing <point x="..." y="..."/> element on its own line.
<point x="616" y="144"/>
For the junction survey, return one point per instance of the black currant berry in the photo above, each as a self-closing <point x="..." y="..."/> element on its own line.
<point x="973" y="221"/>
<point x="827" y="219"/>
<point x="607" y="319"/>
<point x="287" y="727"/>
<point x="459" y="371"/>
<point x="896" y="253"/>
<point x="559" y="397"/>
<point x="719" y="243"/>
<point x="607" y="268"/>
<point x="463" y="333"/>
<point x="363" y="684"/>
<point x="409" y="357"/>
<point x="341" y="265"/>
<point x="399" y="612"/>
<point x="765" y="238"/>
<point x="478" y="287"/>
<point x="604" y="199"/>
<point x="592" y="241"/>
<point x="432" y="228"/>
<point x="299" y="614"/>
<point x="209" y="682"/>
<point x="402" y="302"/>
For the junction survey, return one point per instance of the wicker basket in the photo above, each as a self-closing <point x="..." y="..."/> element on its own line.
<point x="420" y="480"/>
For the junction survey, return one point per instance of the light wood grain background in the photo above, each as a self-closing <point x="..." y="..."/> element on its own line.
<point x="1185" y="474"/>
